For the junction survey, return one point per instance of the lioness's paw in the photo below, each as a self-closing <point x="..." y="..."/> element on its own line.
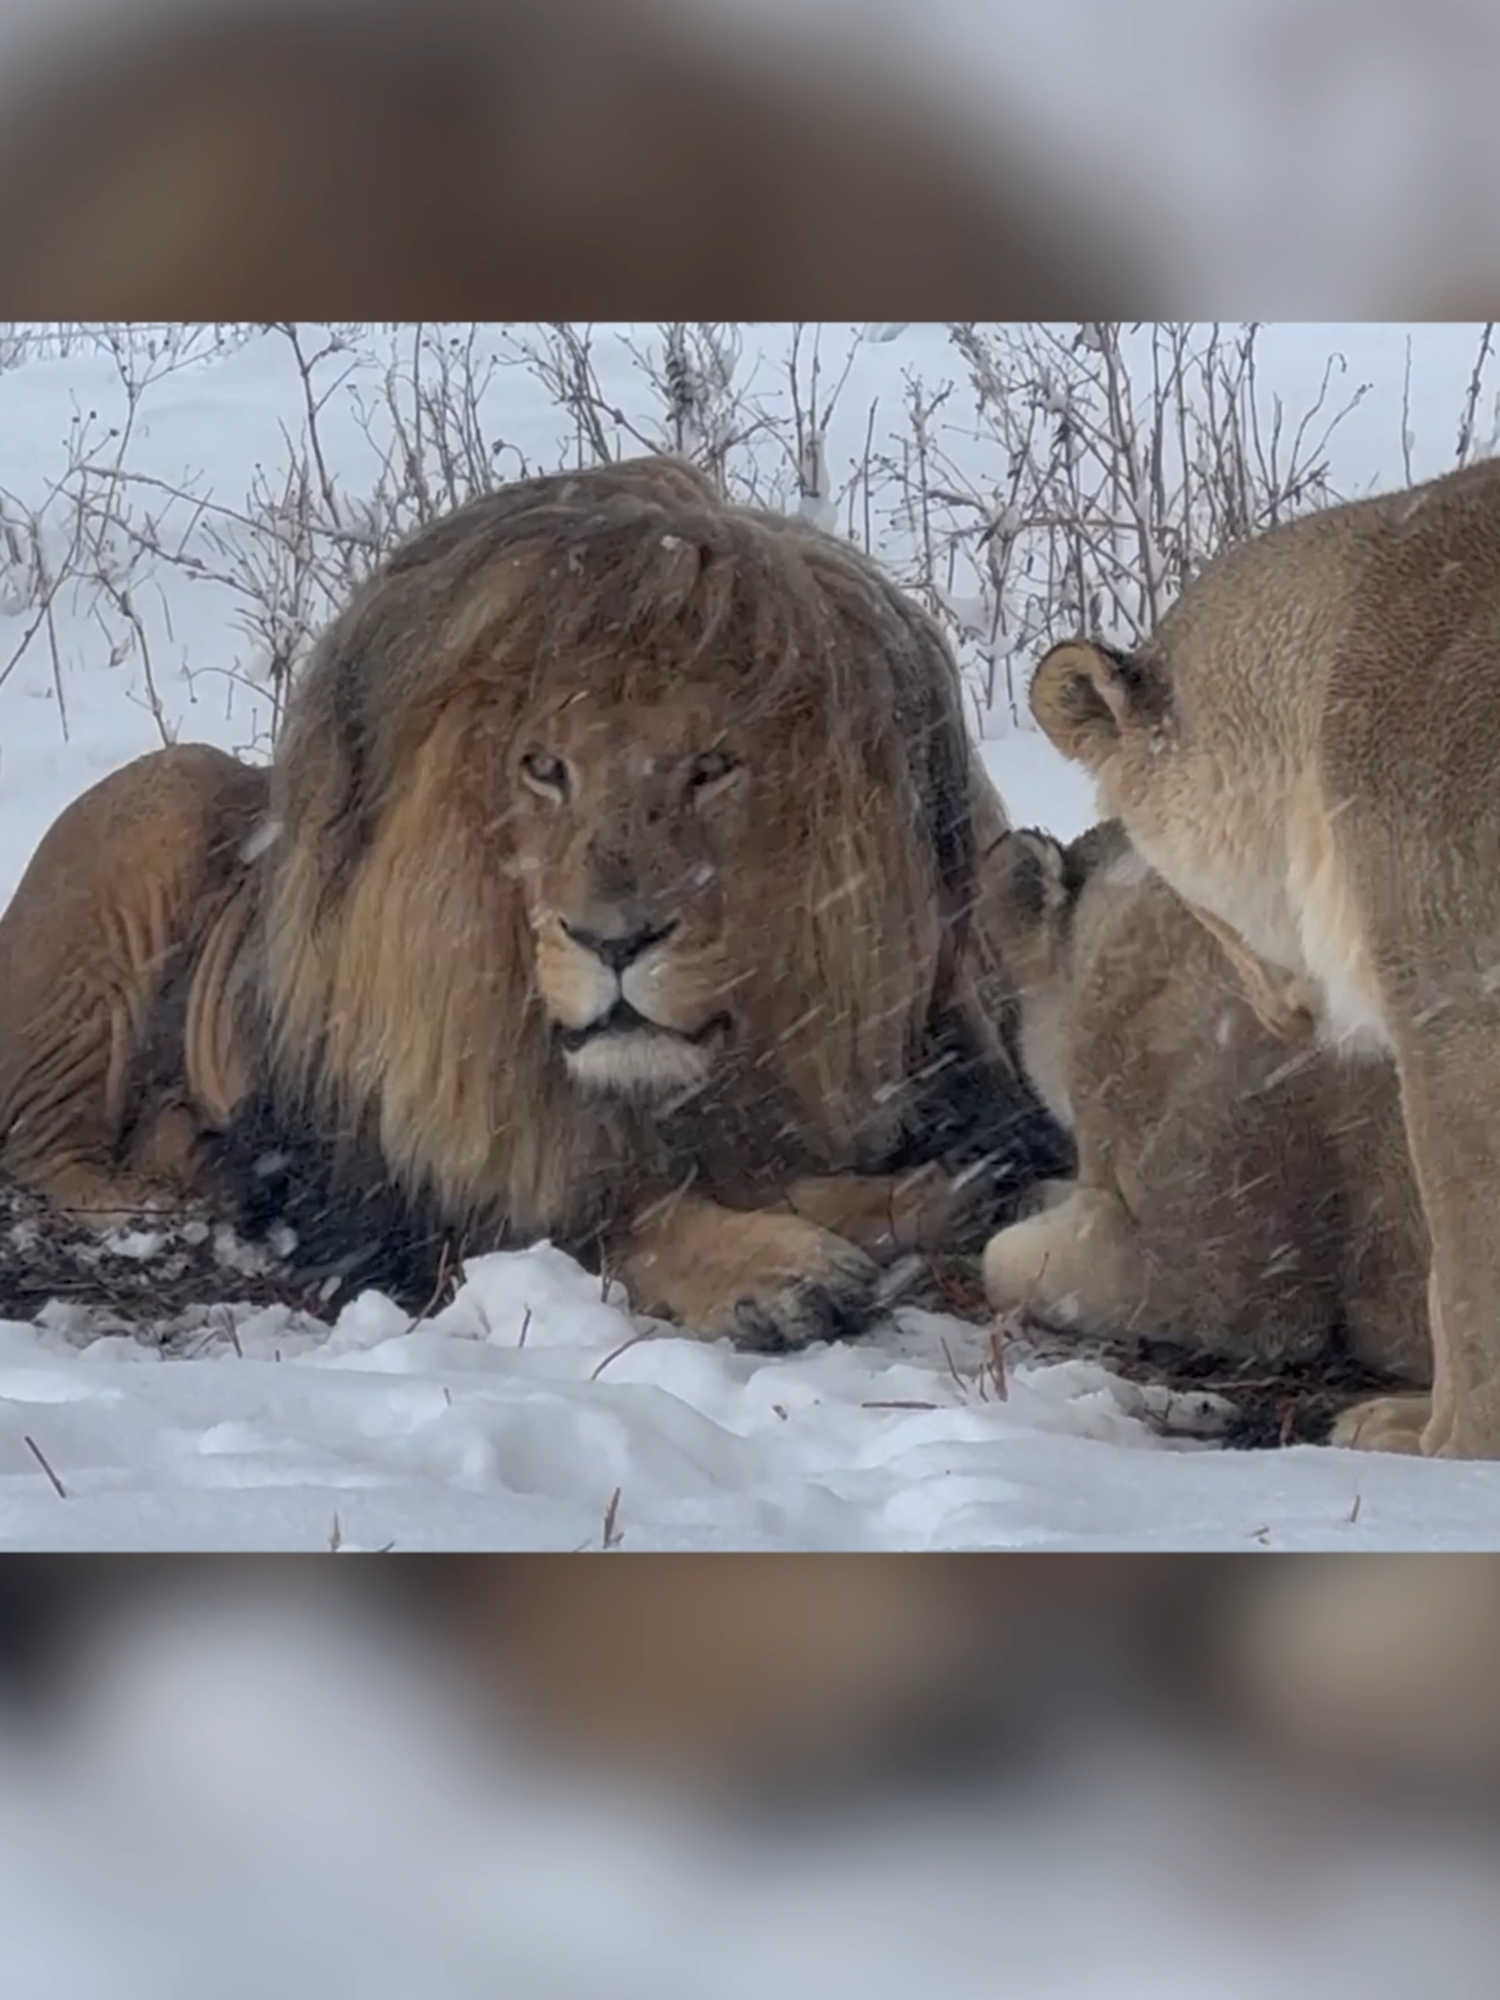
<point x="1387" y="1423"/>
<point x="1038" y="1199"/>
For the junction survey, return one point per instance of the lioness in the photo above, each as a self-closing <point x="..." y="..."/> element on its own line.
<point x="613" y="882"/>
<point x="1232" y="1197"/>
<point x="1306" y="748"/>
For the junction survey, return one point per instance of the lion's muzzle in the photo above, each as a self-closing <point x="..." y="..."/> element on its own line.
<point x="621" y="951"/>
<point x="623" y="1019"/>
<point x="612" y="998"/>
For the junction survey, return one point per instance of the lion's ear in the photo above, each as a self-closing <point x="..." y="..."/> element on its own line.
<point x="1082" y="696"/>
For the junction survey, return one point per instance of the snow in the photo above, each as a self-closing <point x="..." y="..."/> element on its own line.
<point x="532" y="1412"/>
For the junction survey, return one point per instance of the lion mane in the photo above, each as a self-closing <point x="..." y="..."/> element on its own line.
<point x="691" y="986"/>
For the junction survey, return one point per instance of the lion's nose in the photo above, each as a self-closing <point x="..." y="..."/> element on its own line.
<point x="622" y="949"/>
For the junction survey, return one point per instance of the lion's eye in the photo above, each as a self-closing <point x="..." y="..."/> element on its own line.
<point x="710" y="769"/>
<point x="545" y="774"/>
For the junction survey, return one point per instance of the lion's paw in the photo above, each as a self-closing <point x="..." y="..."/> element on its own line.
<point x="842" y="1302"/>
<point x="768" y="1281"/>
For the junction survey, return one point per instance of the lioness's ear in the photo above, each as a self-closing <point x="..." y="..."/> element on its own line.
<point x="1081" y="697"/>
<point x="1032" y="865"/>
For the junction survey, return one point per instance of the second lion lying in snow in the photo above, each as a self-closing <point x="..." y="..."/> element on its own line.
<point x="1235" y="1194"/>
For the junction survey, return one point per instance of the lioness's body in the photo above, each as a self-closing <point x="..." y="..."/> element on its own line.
<point x="1307" y="749"/>
<point x="612" y="883"/>
<point x="1231" y="1197"/>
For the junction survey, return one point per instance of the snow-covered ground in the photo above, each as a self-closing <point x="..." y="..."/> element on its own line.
<point x="531" y="1412"/>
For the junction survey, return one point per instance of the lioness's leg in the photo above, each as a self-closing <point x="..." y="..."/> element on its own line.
<point x="1080" y="1260"/>
<point x="1400" y="1423"/>
<point x="769" y="1281"/>
<point x="1455" y="1148"/>
<point x="1283" y="1005"/>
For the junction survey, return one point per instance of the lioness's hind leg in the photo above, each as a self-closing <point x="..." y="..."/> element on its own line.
<point x="1385" y="1423"/>
<point x="1079" y="1260"/>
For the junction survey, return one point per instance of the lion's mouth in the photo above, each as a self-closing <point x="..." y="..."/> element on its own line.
<point x="623" y="1019"/>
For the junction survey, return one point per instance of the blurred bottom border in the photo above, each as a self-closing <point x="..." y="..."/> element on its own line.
<point x="732" y="1775"/>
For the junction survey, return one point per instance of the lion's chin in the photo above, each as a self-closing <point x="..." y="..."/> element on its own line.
<point x="624" y="1053"/>
<point x="640" y="1062"/>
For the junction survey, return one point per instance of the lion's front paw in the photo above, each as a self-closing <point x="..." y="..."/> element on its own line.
<point x="1386" y="1423"/>
<point x="836" y="1306"/>
<point x="769" y="1282"/>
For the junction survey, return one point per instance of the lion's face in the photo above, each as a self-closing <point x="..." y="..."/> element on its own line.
<point x="631" y="824"/>
<point x="603" y="790"/>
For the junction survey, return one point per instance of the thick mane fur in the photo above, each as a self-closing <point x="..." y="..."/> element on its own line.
<point x="397" y="1004"/>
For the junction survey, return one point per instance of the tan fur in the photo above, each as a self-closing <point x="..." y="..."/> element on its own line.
<point x="133" y="882"/>
<point x="884" y="1214"/>
<point x="586" y="709"/>
<point x="1232" y="1197"/>
<point x="1286" y="1008"/>
<point x="1306" y="749"/>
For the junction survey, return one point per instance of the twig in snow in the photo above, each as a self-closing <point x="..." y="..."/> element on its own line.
<point x="444" y="1266"/>
<point x="37" y="1453"/>
<point x="1000" y="1338"/>
<point x="634" y="1341"/>
<point x="232" y="1332"/>
<point x="963" y="1386"/>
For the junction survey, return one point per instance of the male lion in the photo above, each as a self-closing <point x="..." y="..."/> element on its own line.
<point x="614" y="886"/>
<point x="1231" y="1197"/>
<point x="1306" y="748"/>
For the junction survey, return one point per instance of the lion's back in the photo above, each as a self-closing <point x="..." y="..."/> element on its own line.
<point x="107" y="901"/>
